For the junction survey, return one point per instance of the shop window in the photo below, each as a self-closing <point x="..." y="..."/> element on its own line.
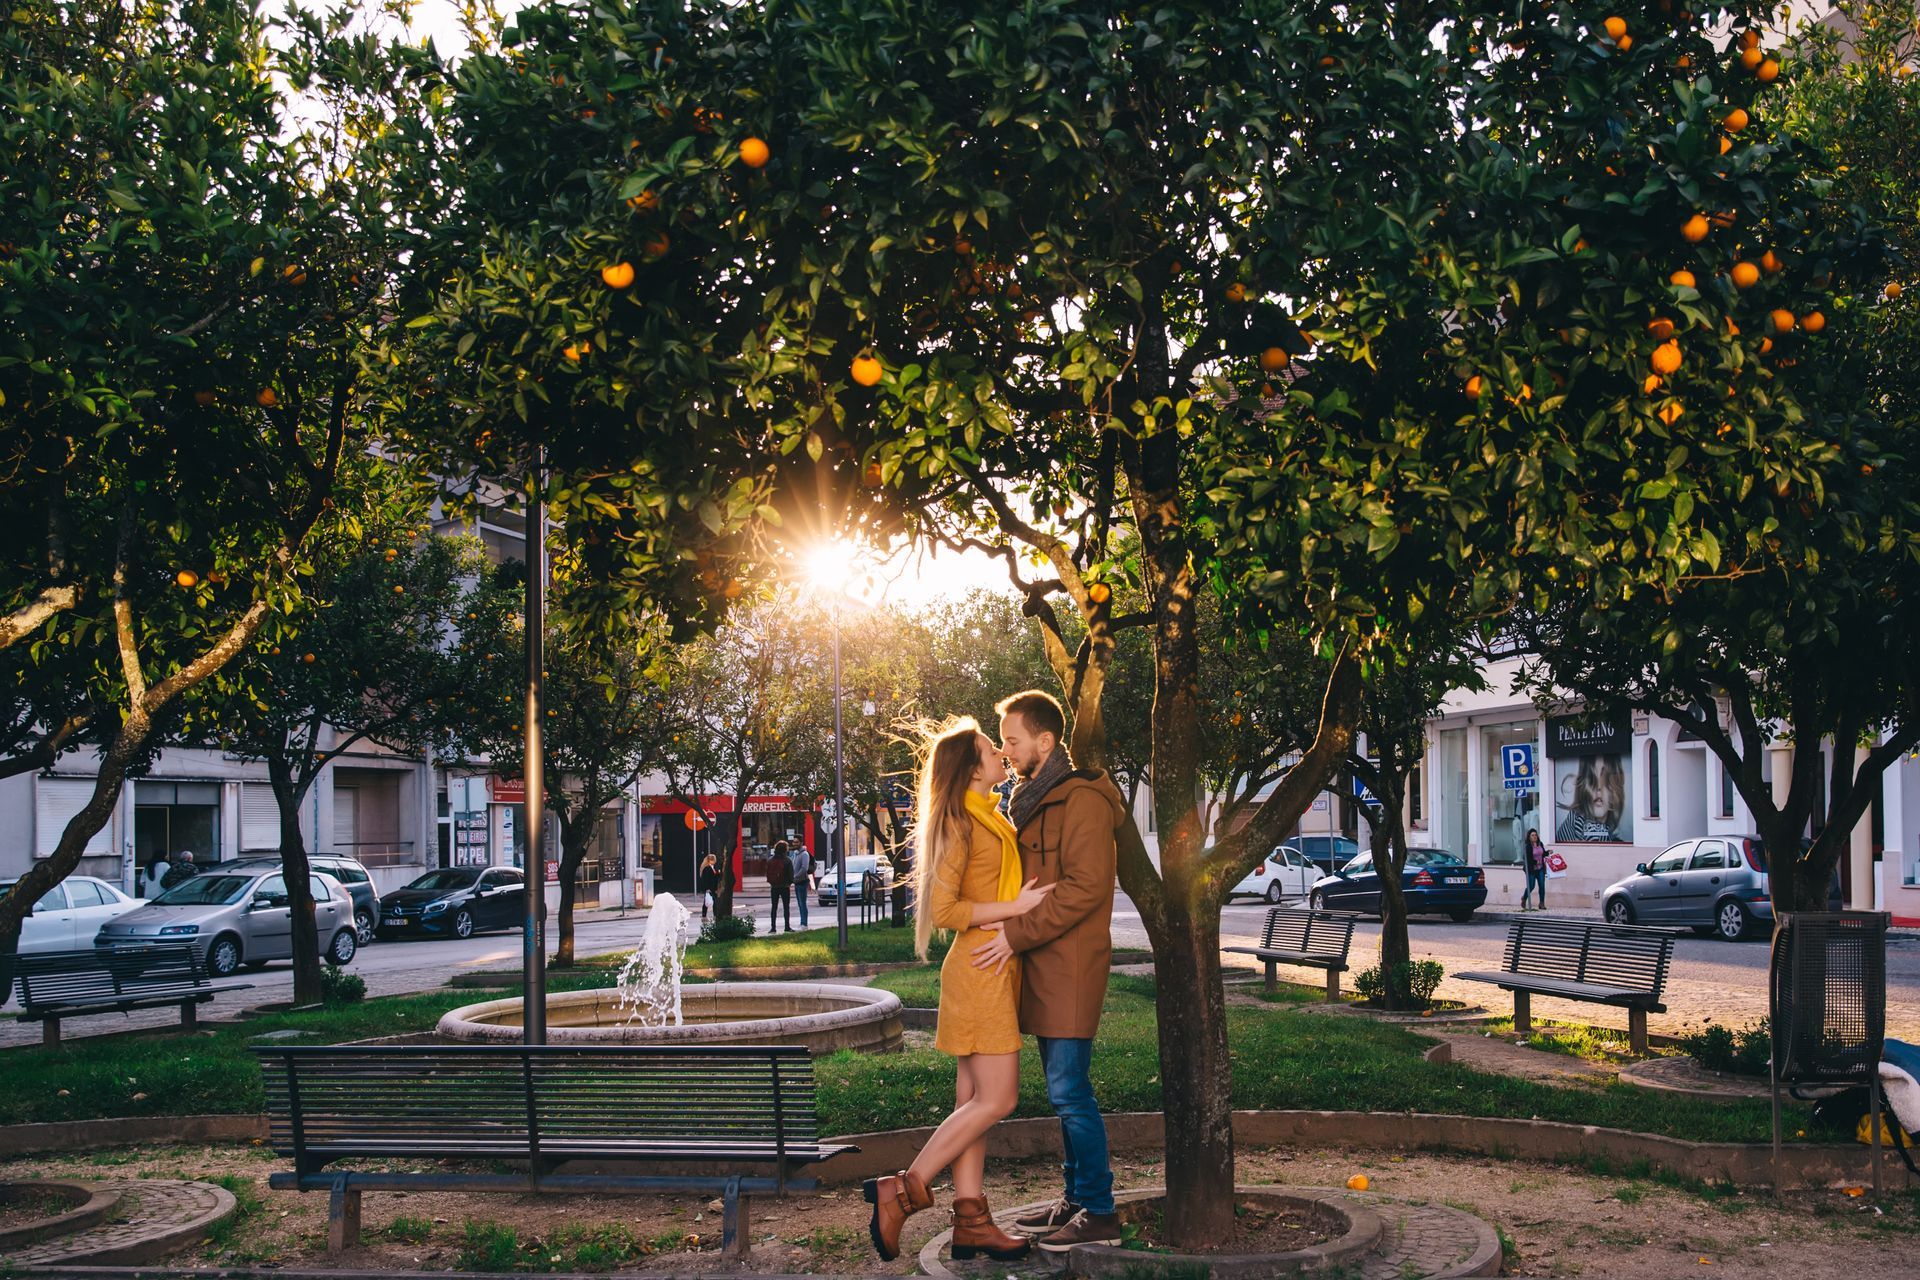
<point x="1726" y="792"/>
<point x="1592" y="800"/>
<point x="1417" y="798"/>
<point x="1509" y="812"/>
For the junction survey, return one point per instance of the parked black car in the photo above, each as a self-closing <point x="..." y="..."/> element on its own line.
<point x="1325" y="852"/>
<point x="1435" y="882"/>
<point x="359" y="885"/>
<point x="454" y="902"/>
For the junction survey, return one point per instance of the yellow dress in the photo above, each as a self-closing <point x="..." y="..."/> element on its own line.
<point x="979" y="1009"/>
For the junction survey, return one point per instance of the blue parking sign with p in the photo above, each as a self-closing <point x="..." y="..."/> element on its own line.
<point x="1516" y="766"/>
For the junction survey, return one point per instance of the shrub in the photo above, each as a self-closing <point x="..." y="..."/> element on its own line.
<point x="1743" y="1053"/>
<point x="338" y="987"/>
<point x="1420" y="979"/>
<point x="727" y="929"/>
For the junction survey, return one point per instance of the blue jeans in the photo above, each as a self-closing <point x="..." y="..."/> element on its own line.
<point x="800" y="895"/>
<point x="1537" y="876"/>
<point x="1083" y="1134"/>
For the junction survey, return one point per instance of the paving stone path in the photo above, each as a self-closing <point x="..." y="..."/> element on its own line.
<point x="1419" y="1239"/>
<point x="154" y="1217"/>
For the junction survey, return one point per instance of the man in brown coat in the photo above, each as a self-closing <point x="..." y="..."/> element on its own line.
<point x="1067" y="819"/>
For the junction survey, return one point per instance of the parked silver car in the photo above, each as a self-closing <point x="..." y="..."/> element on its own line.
<point x="1715" y="884"/>
<point x="237" y="917"/>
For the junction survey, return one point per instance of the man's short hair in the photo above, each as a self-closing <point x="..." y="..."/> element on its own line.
<point x="1040" y="709"/>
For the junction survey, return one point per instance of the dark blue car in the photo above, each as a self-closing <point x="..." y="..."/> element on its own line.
<point x="1435" y="882"/>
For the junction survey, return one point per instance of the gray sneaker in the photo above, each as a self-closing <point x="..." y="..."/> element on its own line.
<point x="1047" y="1219"/>
<point x="1083" y="1228"/>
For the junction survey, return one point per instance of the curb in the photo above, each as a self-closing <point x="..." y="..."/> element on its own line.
<point x="165" y="1237"/>
<point x="81" y="1271"/>
<point x="89" y="1212"/>
<point x="86" y="1135"/>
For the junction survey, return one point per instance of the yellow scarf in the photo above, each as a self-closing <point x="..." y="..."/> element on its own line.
<point x="988" y="815"/>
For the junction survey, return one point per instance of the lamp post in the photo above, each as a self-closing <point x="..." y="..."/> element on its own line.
<point x="533" y="959"/>
<point x="839" y="792"/>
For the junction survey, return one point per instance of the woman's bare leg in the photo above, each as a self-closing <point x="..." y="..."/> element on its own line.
<point x="970" y="1166"/>
<point x="993" y="1080"/>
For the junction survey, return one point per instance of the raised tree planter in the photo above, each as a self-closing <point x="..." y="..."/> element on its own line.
<point x="41" y="1209"/>
<point x="1333" y="1231"/>
<point x="1680" y="1074"/>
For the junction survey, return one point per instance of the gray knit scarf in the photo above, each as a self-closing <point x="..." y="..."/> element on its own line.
<point x="1026" y="798"/>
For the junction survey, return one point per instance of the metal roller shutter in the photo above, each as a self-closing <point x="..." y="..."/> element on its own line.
<point x="55" y="802"/>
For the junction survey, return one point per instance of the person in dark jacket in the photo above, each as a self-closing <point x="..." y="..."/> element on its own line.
<point x="780" y="880"/>
<point x="181" y="871"/>
<point x="708" y="883"/>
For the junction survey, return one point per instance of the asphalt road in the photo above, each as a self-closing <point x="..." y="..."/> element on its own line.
<point x="1710" y="980"/>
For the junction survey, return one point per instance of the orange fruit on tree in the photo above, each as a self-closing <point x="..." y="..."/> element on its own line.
<point x="1273" y="359"/>
<point x="1099" y="593"/>
<point x="1726" y="145"/>
<point x="266" y="398"/>
<point x="1750" y="57"/>
<point x="392" y="554"/>
<point x="1652" y="384"/>
<point x="205" y="398"/>
<point x="1474" y="384"/>
<point x="617" y="275"/>
<point x="187" y="578"/>
<point x="656" y="245"/>
<point x="867" y="371"/>
<point x="754" y="152"/>
<point x="1670" y="412"/>
<point x="1745" y="275"/>
<point x="1624" y="43"/>
<point x="1666" y="357"/>
<point x="643" y="202"/>
<point x="1723" y="219"/>
<point x="1695" y="229"/>
<point x="1683" y="279"/>
<point x="1813" y="322"/>
<point x="1749" y="39"/>
<point x="1782" y="320"/>
<point x="1766" y="345"/>
<point x="308" y="658"/>
<point x="1616" y="27"/>
<point x="1767" y="72"/>
<point x="1661" y="328"/>
<point x="574" y="350"/>
<point x="1236" y="292"/>
<point x="1328" y="61"/>
<point x="1892" y="290"/>
<point x="1683" y="62"/>
<point x="1736" y="119"/>
<point x="874" y="476"/>
<point x="1771" y="264"/>
<point x="399" y="590"/>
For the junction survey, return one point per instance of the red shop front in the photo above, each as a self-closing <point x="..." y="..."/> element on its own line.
<point x="674" y="849"/>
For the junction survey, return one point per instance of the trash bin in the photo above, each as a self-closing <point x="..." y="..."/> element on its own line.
<point x="902" y="903"/>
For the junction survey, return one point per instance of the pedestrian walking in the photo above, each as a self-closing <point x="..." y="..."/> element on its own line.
<point x="1536" y="867"/>
<point x="708" y="883"/>
<point x="780" y="880"/>
<point x="181" y="871"/>
<point x="802" y="879"/>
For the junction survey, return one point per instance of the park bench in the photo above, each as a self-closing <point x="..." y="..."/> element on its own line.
<point x="66" y="984"/>
<point x="1607" y="964"/>
<point x="714" y="1110"/>
<point x="1313" y="939"/>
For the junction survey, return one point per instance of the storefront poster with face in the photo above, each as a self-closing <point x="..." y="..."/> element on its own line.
<point x="1592" y="803"/>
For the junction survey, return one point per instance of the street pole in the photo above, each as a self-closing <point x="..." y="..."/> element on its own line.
<point x="533" y="959"/>
<point x="839" y="788"/>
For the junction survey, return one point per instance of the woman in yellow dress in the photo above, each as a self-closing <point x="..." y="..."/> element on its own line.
<point x="968" y="876"/>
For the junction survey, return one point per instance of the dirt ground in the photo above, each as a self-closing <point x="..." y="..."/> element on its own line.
<point x="1560" y="1221"/>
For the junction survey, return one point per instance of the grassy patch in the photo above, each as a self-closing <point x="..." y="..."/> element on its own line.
<point x="493" y="1246"/>
<point x="408" y="1230"/>
<point x="917" y="988"/>
<point x="1574" y="1040"/>
<point x="247" y="1202"/>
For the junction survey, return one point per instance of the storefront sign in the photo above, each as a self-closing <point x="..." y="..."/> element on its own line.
<point x="1578" y="736"/>
<point x="1517" y="772"/>
<point x="507" y="790"/>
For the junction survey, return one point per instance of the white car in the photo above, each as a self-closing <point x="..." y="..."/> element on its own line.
<point x="69" y="914"/>
<point x="827" y="879"/>
<point x="1287" y="873"/>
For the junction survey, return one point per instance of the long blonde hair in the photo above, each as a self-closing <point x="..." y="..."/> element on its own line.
<point x="942" y="827"/>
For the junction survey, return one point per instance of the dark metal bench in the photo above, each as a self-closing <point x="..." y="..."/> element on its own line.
<point x="1314" y="939"/>
<point x="715" y="1105"/>
<point x="1607" y="964"/>
<point x="66" y="984"/>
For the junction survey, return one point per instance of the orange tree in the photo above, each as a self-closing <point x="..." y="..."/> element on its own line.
<point x="1325" y="308"/>
<point x="1797" y="666"/>
<point x="187" y="276"/>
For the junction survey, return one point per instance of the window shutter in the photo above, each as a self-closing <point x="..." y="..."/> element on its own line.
<point x="55" y="802"/>
<point x="259" y="817"/>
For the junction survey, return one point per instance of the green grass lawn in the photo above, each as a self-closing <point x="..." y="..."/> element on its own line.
<point x="1283" y="1058"/>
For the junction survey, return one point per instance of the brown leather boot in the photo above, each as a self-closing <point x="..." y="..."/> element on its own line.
<point x="894" y="1200"/>
<point x="975" y="1232"/>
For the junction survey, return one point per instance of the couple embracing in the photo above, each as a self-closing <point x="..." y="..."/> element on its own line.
<point x="1029" y="895"/>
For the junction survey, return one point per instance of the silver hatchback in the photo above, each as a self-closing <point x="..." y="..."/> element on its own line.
<point x="237" y="917"/>
<point x="1715" y="884"/>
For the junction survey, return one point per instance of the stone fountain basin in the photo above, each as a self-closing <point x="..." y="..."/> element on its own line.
<point x="822" y="1016"/>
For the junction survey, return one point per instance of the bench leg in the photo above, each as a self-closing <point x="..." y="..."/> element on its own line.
<point x="49" y="1031"/>
<point x="1333" y="986"/>
<point x="1523" y="1013"/>
<point x="343" y="1217"/>
<point x="736" y="1224"/>
<point x="1637" y="1030"/>
<point x="1273" y="976"/>
<point x="190" y="1013"/>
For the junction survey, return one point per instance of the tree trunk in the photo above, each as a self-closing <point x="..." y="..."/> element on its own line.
<point x="1396" y="949"/>
<point x="575" y="833"/>
<point x="287" y="794"/>
<point x="1196" y="1071"/>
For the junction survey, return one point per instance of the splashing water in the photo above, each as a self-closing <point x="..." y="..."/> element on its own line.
<point x="650" y="979"/>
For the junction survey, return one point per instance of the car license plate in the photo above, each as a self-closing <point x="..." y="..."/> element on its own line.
<point x="1456" y="879"/>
